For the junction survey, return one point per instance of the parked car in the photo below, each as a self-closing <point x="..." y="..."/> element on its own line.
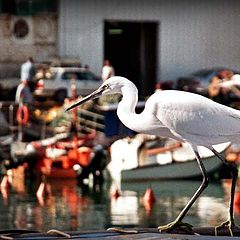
<point x="58" y="86"/>
<point x="198" y="81"/>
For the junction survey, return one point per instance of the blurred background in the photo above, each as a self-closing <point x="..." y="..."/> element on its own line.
<point x="75" y="171"/>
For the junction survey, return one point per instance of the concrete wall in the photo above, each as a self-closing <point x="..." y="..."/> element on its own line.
<point x="192" y="34"/>
<point x="40" y="42"/>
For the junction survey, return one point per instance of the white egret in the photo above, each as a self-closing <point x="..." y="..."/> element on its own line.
<point x="184" y="116"/>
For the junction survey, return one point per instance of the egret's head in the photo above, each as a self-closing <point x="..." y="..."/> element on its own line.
<point x="110" y="86"/>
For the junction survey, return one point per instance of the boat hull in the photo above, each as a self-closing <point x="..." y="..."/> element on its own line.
<point x="176" y="170"/>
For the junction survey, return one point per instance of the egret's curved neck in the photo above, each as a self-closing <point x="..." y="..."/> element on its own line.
<point x="126" y="107"/>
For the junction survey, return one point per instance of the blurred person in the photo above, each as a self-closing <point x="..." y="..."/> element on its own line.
<point x="214" y="90"/>
<point x="28" y="72"/>
<point x="23" y="93"/>
<point x="164" y="85"/>
<point x="107" y="70"/>
<point x="224" y="77"/>
<point x="220" y="89"/>
<point x="73" y="82"/>
<point x="231" y="81"/>
<point x="43" y="72"/>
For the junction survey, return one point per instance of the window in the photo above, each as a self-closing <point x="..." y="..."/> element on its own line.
<point x="81" y="76"/>
<point x="89" y="76"/>
<point x="20" y="28"/>
<point x="70" y="75"/>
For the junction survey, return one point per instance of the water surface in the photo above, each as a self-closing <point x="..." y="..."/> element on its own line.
<point x="71" y="207"/>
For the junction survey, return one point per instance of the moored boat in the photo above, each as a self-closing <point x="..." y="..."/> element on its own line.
<point x="173" y="160"/>
<point x="61" y="156"/>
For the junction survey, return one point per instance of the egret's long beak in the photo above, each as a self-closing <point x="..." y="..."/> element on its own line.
<point x="92" y="95"/>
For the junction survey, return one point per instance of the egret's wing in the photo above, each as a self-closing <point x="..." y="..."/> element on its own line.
<point x="196" y="118"/>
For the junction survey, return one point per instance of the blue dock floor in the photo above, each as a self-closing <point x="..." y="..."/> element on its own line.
<point x="146" y="234"/>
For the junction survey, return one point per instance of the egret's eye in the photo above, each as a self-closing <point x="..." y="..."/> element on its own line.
<point x="105" y="87"/>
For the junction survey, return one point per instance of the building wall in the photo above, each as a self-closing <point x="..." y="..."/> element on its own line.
<point x="40" y="42"/>
<point x="192" y="34"/>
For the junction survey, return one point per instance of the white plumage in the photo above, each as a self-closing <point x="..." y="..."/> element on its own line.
<point x="196" y="119"/>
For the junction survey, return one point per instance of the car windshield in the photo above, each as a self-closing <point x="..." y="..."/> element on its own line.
<point x="79" y="76"/>
<point x="53" y="75"/>
<point x="89" y="76"/>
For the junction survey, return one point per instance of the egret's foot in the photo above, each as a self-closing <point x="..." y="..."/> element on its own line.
<point x="230" y="224"/>
<point x="58" y="232"/>
<point x="186" y="227"/>
<point x="118" y="230"/>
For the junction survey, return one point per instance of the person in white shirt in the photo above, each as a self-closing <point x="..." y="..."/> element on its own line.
<point x="107" y="70"/>
<point x="23" y="93"/>
<point x="28" y="73"/>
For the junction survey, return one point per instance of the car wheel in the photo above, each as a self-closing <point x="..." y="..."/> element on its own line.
<point x="60" y="95"/>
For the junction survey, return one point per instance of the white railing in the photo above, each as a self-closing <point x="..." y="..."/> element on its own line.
<point x="89" y="120"/>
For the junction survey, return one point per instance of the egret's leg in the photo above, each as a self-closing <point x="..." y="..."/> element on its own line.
<point x="234" y="172"/>
<point x="178" y="221"/>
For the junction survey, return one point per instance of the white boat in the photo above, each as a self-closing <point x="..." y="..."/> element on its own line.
<point x="130" y="161"/>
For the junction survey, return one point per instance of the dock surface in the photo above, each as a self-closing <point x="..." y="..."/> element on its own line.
<point x="128" y="234"/>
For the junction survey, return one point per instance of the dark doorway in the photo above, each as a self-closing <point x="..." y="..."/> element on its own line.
<point x="132" y="49"/>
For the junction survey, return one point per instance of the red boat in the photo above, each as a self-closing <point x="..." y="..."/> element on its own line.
<point x="62" y="156"/>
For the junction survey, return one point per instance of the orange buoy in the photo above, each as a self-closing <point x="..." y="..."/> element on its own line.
<point x="148" y="200"/>
<point x="149" y="196"/>
<point x="22" y="115"/>
<point x="43" y="190"/>
<point x="5" y="194"/>
<point x="116" y="193"/>
<point x="237" y="198"/>
<point x="237" y="203"/>
<point x="84" y="156"/>
<point x="5" y="184"/>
